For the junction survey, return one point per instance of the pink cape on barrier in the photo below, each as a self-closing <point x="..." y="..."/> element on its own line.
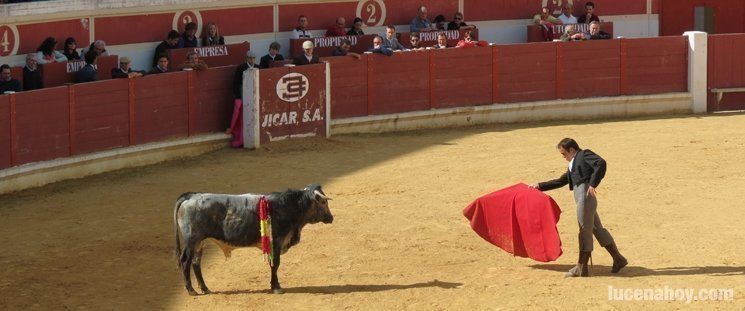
<point x="520" y="220"/>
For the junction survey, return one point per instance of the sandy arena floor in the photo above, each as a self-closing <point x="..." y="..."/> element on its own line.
<point x="673" y="198"/>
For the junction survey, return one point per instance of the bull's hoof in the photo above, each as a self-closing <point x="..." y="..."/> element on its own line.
<point x="278" y="291"/>
<point x="206" y="291"/>
<point x="192" y="292"/>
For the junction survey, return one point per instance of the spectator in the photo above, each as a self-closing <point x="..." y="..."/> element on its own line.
<point x="379" y="47"/>
<point x="468" y="41"/>
<point x="458" y="23"/>
<point x="32" y="74"/>
<point x="7" y="83"/>
<point x="193" y="62"/>
<point x="566" y="17"/>
<point x="99" y="46"/>
<point x="236" y="122"/>
<point x="571" y="34"/>
<point x="88" y="73"/>
<point x="266" y="60"/>
<point x="420" y="22"/>
<point x="339" y="29"/>
<point x="343" y="49"/>
<point x="171" y="42"/>
<point x="596" y="33"/>
<point x="440" y="22"/>
<point x="70" y="49"/>
<point x="356" y="29"/>
<point x="390" y="40"/>
<point x="212" y="36"/>
<point x="300" y="31"/>
<point x="415" y="42"/>
<point x="125" y="70"/>
<point x="442" y="41"/>
<point x="307" y="57"/>
<point x="589" y="15"/>
<point x="189" y="37"/>
<point x="46" y="54"/>
<point x="547" y="22"/>
<point x="161" y="66"/>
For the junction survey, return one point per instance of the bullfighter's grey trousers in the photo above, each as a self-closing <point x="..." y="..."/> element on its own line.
<point x="589" y="221"/>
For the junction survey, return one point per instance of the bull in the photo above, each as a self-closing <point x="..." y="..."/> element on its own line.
<point x="232" y="221"/>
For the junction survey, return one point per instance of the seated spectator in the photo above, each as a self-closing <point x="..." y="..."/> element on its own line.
<point x="420" y="22"/>
<point x="89" y="72"/>
<point x="596" y="33"/>
<point x="390" y="40"/>
<point x="32" y="74"/>
<point x="161" y="65"/>
<point x="193" y="62"/>
<point x="343" y="49"/>
<point x="125" y="70"/>
<point x="468" y="41"/>
<point x="70" y="49"/>
<point x="571" y="34"/>
<point x="379" y="48"/>
<point x="566" y="17"/>
<point x="171" y="42"/>
<point x="7" y="83"/>
<point x="442" y="42"/>
<point x="440" y="23"/>
<point x="589" y="15"/>
<point x="212" y="36"/>
<point x="307" y="57"/>
<point x="46" y="54"/>
<point x="415" y="43"/>
<point x="339" y="29"/>
<point x="356" y="29"/>
<point x="547" y="22"/>
<point x="300" y="31"/>
<point x="236" y="122"/>
<point x="189" y="37"/>
<point x="99" y="46"/>
<point x="458" y="23"/>
<point x="266" y="60"/>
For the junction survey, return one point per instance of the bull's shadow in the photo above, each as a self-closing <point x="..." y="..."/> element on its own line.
<point x="637" y="271"/>
<point x="350" y="288"/>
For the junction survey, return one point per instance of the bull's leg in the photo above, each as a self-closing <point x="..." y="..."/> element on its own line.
<point x="276" y="288"/>
<point x="198" y="271"/>
<point x="187" y="255"/>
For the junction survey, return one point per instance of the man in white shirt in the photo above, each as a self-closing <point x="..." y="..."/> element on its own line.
<point x="300" y="32"/>
<point x="566" y="17"/>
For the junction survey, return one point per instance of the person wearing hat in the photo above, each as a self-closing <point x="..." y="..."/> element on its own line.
<point x="69" y="49"/>
<point x="125" y="70"/>
<point x="236" y="122"/>
<point x="307" y="58"/>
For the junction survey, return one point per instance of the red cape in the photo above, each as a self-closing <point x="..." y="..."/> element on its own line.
<point x="520" y="220"/>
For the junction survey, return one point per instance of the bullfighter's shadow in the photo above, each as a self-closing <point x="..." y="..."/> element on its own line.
<point x="637" y="271"/>
<point x="350" y="288"/>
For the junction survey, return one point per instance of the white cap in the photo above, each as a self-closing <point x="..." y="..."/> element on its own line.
<point x="250" y="54"/>
<point x="307" y="45"/>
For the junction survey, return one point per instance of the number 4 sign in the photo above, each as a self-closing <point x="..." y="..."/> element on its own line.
<point x="8" y="40"/>
<point x="372" y="12"/>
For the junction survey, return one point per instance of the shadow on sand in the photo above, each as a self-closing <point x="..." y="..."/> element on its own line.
<point x="636" y="271"/>
<point x="349" y="288"/>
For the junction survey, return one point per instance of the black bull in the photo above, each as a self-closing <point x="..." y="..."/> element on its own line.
<point x="232" y="221"/>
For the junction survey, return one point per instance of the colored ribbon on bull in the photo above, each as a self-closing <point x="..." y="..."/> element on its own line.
<point x="265" y="228"/>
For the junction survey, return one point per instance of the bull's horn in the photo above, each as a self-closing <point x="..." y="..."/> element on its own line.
<point x="318" y="193"/>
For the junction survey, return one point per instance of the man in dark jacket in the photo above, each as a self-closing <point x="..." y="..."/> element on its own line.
<point x="171" y="42"/>
<point x="7" y="83"/>
<point x="596" y="33"/>
<point x="266" y="60"/>
<point x="32" y="74"/>
<point x="585" y="171"/>
<point x="161" y="67"/>
<point x="250" y="63"/>
<point x="125" y="70"/>
<point x="307" y="57"/>
<point x="88" y="73"/>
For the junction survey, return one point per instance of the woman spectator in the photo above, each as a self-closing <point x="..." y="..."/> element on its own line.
<point x="212" y="36"/>
<point x="46" y="53"/>
<point x="70" y="49"/>
<point x="468" y="41"/>
<point x="356" y="29"/>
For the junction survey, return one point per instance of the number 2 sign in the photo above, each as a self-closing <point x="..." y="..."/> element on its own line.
<point x="372" y="12"/>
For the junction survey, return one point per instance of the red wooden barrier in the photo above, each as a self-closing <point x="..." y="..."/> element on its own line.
<point x="462" y="77"/>
<point x="311" y="108"/>
<point x="100" y="115"/>
<point x="42" y="129"/>
<point x="429" y="38"/>
<point x="17" y="73"/>
<point x="214" y="100"/>
<point x="398" y="83"/>
<point x="325" y="46"/>
<point x="160" y="107"/>
<point x="274" y="118"/>
<point x="348" y="86"/>
<point x="726" y="69"/>
<point x="524" y="72"/>
<point x="5" y="153"/>
<point x="661" y="69"/>
<point x="536" y="35"/>
<point x="588" y="68"/>
<point x="56" y="74"/>
<point x="214" y="56"/>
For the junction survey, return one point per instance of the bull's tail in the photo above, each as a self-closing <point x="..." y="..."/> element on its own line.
<point x="176" y="230"/>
